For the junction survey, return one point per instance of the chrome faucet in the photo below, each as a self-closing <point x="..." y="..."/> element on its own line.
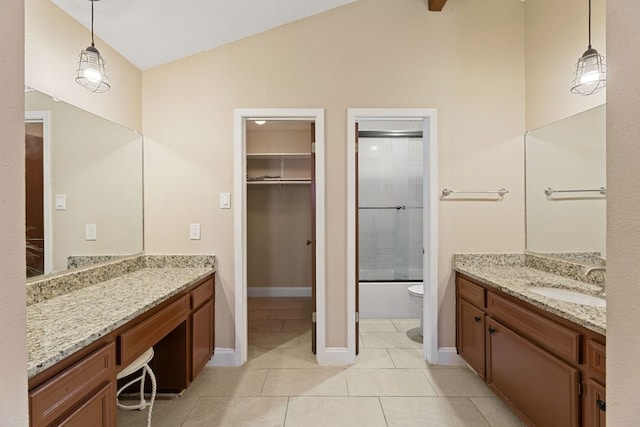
<point x="587" y="270"/>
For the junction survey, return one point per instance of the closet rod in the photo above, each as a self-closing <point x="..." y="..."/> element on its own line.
<point x="383" y="207"/>
<point x="390" y="134"/>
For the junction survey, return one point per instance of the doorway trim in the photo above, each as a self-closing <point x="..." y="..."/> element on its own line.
<point x="428" y="116"/>
<point x="44" y="117"/>
<point x="241" y="115"/>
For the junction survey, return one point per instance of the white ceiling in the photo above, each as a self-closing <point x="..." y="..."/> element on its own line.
<point x="153" y="32"/>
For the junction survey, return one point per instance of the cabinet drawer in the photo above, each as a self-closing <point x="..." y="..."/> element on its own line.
<point x="550" y="335"/>
<point x="67" y="389"/>
<point x="202" y="294"/>
<point x="145" y="334"/>
<point x="98" y="411"/>
<point x="596" y="360"/>
<point x="473" y="293"/>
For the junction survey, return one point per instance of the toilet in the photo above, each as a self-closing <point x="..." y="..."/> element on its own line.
<point x="416" y="293"/>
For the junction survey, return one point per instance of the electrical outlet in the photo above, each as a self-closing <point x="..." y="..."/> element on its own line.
<point x="194" y="231"/>
<point x="90" y="231"/>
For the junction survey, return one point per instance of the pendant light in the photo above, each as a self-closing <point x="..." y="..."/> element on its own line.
<point x="591" y="74"/>
<point x="91" y="72"/>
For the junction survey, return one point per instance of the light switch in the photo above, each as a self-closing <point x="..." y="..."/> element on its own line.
<point x="61" y="202"/>
<point x="225" y="201"/>
<point x="90" y="231"/>
<point x="194" y="231"/>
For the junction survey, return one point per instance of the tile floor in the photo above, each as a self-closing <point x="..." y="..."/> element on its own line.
<point x="281" y="384"/>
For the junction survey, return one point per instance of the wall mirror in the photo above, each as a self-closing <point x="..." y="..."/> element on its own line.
<point x="566" y="187"/>
<point x="84" y="191"/>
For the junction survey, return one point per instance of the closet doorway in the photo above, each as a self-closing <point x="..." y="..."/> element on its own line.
<point x="277" y="209"/>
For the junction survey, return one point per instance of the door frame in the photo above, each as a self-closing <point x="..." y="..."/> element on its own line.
<point x="428" y="116"/>
<point x="241" y="115"/>
<point x="44" y="117"/>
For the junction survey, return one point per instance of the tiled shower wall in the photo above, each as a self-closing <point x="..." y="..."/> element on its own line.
<point x="390" y="175"/>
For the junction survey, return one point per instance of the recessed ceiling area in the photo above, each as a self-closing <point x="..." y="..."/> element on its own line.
<point x="153" y="32"/>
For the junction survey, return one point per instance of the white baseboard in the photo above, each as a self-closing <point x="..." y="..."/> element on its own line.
<point x="277" y="291"/>
<point x="334" y="356"/>
<point x="224" y="357"/>
<point x="449" y="356"/>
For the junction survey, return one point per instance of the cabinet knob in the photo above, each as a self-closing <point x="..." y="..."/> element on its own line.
<point x="477" y="319"/>
<point x="492" y="330"/>
<point x="601" y="405"/>
<point x="308" y="242"/>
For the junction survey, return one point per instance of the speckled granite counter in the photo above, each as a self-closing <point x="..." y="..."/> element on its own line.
<point x="61" y="325"/>
<point x="512" y="275"/>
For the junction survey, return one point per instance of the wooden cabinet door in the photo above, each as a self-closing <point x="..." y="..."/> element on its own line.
<point x="540" y="387"/>
<point x="65" y="392"/>
<point x="201" y="337"/>
<point x="99" y="411"/>
<point x="596" y="406"/>
<point x="471" y="340"/>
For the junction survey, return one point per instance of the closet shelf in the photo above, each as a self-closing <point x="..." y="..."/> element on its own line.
<point x="271" y="181"/>
<point x="278" y="155"/>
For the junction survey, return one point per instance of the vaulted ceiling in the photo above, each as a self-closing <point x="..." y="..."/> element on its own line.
<point x="153" y="32"/>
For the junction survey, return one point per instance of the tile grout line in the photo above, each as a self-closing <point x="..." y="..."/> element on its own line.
<point x="430" y="383"/>
<point x="395" y="326"/>
<point x="286" y="411"/>
<point x="392" y="361"/>
<point x="384" y="415"/>
<point x="264" y="382"/>
<point x="481" y="413"/>
<point x="191" y="411"/>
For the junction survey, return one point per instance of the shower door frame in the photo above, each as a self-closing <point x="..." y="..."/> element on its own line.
<point x="428" y="117"/>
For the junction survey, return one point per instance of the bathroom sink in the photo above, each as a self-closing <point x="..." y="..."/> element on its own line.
<point x="569" y="296"/>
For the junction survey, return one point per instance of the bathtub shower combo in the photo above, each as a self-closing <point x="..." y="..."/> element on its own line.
<point x="390" y="216"/>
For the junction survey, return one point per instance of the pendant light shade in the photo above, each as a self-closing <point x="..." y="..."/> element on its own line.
<point x="91" y="72"/>
<point x="591" y="73"/>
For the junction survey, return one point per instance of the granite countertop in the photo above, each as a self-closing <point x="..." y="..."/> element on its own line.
<point x="517" y="279"/>
<point x="59" y="326"/>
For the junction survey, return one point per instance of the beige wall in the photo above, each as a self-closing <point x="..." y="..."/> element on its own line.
<point x="623" y="206"/>
<point x="278" y="225"/>
<point x="556" y="35"/>
<point x="13" y="334"/>
<point x="466" y="61"/>
<point x="53" y="41"/>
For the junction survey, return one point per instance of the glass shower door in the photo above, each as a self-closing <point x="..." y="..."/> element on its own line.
<point x="390" y="207"/>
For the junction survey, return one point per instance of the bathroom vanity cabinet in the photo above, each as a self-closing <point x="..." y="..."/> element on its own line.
<point x="549" y="370"/>
<point x="80" y="390"/>
<point x="202" y="333"/>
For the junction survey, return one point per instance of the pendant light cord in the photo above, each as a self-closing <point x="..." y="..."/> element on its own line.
<point x="589" y="24"/>
<point x="93" y="45"/>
